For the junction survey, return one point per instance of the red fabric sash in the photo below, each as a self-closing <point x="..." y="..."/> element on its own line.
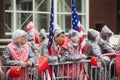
<point x="64" y="45"/>
<point x="17" y="54"/>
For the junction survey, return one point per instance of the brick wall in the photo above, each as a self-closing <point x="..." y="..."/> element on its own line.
<point x="103" y="12"/>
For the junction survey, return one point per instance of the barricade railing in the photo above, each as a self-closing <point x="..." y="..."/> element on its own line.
<point x="66" y="71"/>
<point x="70" y="70"/>
<point x="57" y="71"/>
<point x="114" y="68"/>
<point x="99" y="72"/>
<point x="18" y="73"/>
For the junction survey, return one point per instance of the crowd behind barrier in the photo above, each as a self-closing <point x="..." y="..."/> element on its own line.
<point x="62" y="60"/>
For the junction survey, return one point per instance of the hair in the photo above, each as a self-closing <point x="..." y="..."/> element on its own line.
<point x="42" y="37"/>
<point x="92" y="34"/>
<point x="72" y="35"/>
<point x="59" y="34"/>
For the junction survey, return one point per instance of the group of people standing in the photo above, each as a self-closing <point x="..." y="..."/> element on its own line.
<point x="22" y="51"/>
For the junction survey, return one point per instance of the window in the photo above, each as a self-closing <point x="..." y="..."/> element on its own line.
<point x="99" y="26"/>
<point x="20" y="12"/>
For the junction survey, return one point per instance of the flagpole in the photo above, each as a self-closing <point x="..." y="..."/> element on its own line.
<point x="87" y="15"/>
<point x="55" y="12"/>
<point x="71" y="14"/>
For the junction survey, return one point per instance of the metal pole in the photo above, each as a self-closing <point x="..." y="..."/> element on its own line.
<point x="55" y="12"/>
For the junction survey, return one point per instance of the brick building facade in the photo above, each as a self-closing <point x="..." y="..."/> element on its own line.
<point x="104" y="12"/>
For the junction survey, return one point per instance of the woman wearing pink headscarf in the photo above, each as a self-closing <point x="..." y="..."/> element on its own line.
<point x="18" y="53"/>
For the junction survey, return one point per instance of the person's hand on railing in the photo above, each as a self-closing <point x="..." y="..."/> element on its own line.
<point x="59" y="56"/>
<point x="23" y="64"/>
<point x="35" y="48"/>
<point x="29" y="63"/>
<point x="84" y="56"/>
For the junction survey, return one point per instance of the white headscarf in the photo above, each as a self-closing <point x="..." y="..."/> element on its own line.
<point x="106" y="30"/>
<point x="18" y="33"/>
<point x="92" y="34"/>
<point x="43" y="33"/>
<point x="57" y="30"/>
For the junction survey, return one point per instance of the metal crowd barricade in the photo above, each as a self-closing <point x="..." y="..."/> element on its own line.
<point x="69" y="70"/>
<point x="114" y="68"/>
<point x="99" y="72"/>
<point x="18" y="73"/>
<point x="60" y="71"/>
<point x="89" y="72"/>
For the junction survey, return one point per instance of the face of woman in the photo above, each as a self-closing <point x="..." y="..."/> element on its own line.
<point x="108" y="37"/>
<point x="22" y="40"/>
<point x="75" y="39"/>
<point x="59" y="38"/>
<point x="97" y="38"/>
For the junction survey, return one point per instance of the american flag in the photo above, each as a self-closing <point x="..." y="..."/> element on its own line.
<point x="82" y="47"/>
<point x="51" y="28"/>
<point x="51" y="35"/>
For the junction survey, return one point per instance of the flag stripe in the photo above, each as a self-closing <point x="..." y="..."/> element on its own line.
<point x="82" y="41"/>
<point x="81" y="34"/>
<point x="80" y="27"/>
<point x="84" y="48"/>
